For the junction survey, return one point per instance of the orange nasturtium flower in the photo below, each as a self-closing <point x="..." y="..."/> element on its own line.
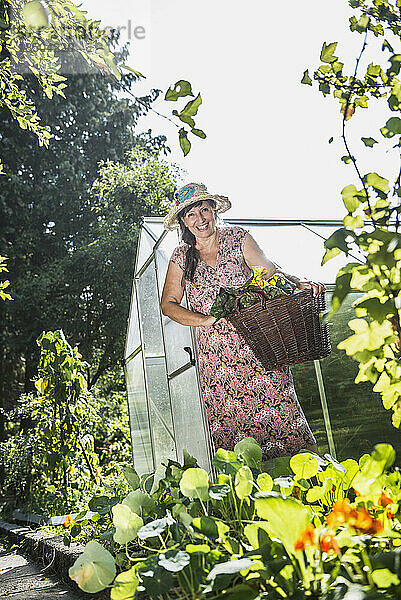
<point x="339" y="513"/>
<point x="329" y="542"/>
<point x="357" y="518"/>
<point x="385" y="500"/>
<point x="306" y="538"/>
<point x="69" y="522"/>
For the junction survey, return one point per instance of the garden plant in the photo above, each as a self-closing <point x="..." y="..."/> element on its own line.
<point x="371" y="225"/>
<point x="317" y="528"/>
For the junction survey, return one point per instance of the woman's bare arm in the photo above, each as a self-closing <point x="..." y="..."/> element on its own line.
<point x="254" y="257"/>
<point x="173" y="292"/>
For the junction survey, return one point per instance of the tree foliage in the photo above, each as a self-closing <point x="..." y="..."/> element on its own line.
<point x="37" y="39"/>
<point x="72" y="267"/>
<point x="373" y="205"/>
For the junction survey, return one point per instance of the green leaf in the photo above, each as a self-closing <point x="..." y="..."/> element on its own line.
<point x="392" y="127"/>
<point x="132" y="477"/>
<point x="184" y="118"/>
<point x="137" y="73"/>
<point x="336" y="243"/>
<point x="353" y="222"/>
<point x="250" y="451"/>
<point x="326" y="54"/>
<point x="184" y="142"/>
<point x="154" y="528"/>
<point x="191" y="108"/>
<point x="219" y="491"/>
<point x="139" y="502"/>
<point x="346" y="159"/>
<point x="367" y="481"/>
<point x="125" y="585"/>
<point x="265" y="482"/>
<point x="286" y="518"/>
<point x="384" y="578"/>
<point x="226" y="461"/>
<point x="377" y="182"/>
<point x="315" y="493"/>
<point x="306" y="79"/>
<point x="387" y="46"/>
<point x="243" y="482"/>
<point x="210" y="527"/>
<point x="304" y="465"/>
<point x="35" y="15"/>
<point x="330" y="140"/>
<point x="230" y="567"/>
<point x="368" y="141"/>
<point x="198" y="132"/>
<point x="181" y="88"/>
<point x="350" y="198"/>
<point x="174" y="560"/>
<point x="94" y="570"/>
<point x="395" y="64"/>
<point x="126" y="522"/>
<point x="367" y="336"/>
<point x="195" y="484"/>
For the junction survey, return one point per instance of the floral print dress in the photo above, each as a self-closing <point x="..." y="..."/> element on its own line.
<point x="241" y="398"/>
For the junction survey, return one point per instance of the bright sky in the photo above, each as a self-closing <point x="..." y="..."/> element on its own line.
<point x="267" y="134"/>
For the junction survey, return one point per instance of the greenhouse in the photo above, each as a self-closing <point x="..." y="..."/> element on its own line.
<point x="165" y="401"/>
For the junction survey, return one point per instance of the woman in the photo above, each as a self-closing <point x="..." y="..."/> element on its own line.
<point x="241" y="398"/>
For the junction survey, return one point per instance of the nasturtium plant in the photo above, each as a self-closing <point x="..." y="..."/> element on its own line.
<point x="94" y="570"/>
<point x="126" y="522"/>
<point x="195" y="484"/>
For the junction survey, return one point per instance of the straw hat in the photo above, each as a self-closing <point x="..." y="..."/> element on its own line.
<point x="189" y="194"/>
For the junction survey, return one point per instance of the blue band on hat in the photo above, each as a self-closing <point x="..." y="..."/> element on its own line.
<point x="185" y="193"/>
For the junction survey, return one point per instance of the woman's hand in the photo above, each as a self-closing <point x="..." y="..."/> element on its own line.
<point x="209" y="321"/>
<point x="317" y="288"/>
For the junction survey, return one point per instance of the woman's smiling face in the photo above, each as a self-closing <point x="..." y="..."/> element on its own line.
<point x="200" y="220"/>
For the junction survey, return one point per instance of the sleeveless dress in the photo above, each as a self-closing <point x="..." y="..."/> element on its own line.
<point x="241" y="398"/>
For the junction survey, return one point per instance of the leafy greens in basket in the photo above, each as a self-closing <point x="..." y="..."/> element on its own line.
<point x="249" y="293"/>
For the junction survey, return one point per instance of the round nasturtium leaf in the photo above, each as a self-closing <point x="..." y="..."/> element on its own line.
<point x="384" y="578"/>
<point x="139" y="502"/>
<point x="94" y="570"/>
<point x="195" y="484"/>
<point x="174" y="560"/>
<point x="35" y="15"/>
<point x="315" y="493"/>
<point x="304" y="465"/>
<point x="250" y="451"/>
<point x="243" y="482"/>
<point x="125" y="585"/>
<point x="265" y="482"/>
<point x="126" y="522"/>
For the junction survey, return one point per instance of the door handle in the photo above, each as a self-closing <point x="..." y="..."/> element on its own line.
<point x="191" y="357"/>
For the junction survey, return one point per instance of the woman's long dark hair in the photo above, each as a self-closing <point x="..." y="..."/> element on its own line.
<point x="192" y="256"/>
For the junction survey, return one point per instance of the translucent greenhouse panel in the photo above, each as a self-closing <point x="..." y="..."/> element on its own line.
<point x="307" y="390"/>
<point x="150" y="312"/>
<point x="358" y="417"/>
<point x="145" y="249"/>
<point x="133" y="335"/>
<point x="190" y="423"/>
<point x="156" y="226"/>
<point x="160" y="409"/>
<point x="176" y="336"/>
<point x="298" y="251"/>
<point x="138" y="413"/>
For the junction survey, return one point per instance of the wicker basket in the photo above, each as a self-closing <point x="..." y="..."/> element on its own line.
<point x="285" y="330"/>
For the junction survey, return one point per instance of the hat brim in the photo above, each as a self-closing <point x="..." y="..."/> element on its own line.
<point x="171" y="221"/>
